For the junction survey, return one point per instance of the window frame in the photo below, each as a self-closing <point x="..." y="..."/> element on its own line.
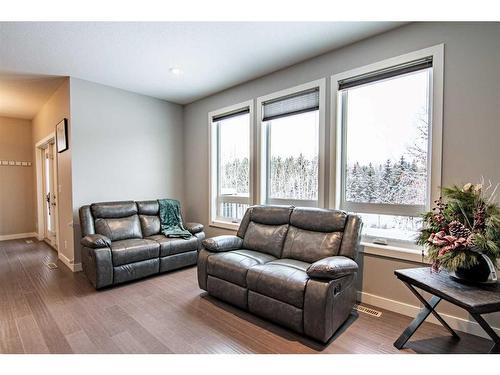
<point x="338" y="137"/>
<point x="262" y="139"/>
<point x="213" y="165"/>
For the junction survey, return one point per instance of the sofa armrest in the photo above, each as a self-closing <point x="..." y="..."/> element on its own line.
<point x="97" y="264"/>
<point x="95" y="241"/>
<point x="194" y="228"/>
<point x="332" y="268"/>
<point x="222" y="243"/>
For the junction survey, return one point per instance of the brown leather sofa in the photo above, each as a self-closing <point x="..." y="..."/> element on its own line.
<point x="293" y="266"/>
<point x="122" y="242"/>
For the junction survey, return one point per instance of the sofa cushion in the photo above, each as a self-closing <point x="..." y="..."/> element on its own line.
<point x="119" y="228"/>
<point x="170" y="246"/>
<point x="133" y="250"/>
<point x="148" y="207"/>
<point x="150" y="225"/>
<point x="265" y="238"/>
<point x="108" y="210"/>
<point x="318" y="219"/>
<point x="310" y="246"/>
<point x="281" y="279"/>
<point x="271" y="215"/>
<point x="233" y="265"/>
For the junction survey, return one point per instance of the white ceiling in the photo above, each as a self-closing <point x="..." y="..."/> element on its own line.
<point x="137" y="56"/>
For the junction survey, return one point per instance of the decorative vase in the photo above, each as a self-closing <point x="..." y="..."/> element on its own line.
<point x="482" y="273"/>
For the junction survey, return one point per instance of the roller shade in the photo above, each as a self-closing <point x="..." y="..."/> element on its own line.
<point x="394" y="71"/>
<point x="225" y="116"/>
<point x="300" y="102"/>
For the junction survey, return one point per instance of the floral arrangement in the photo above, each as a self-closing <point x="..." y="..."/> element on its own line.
<point x="461" y="226"/>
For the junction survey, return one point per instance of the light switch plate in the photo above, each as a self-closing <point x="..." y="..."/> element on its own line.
<point x="12" y="162"/>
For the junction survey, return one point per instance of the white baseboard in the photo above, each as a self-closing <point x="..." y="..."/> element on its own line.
<point x="17" y="236"/>
<point x="457" y="323"/>
<point x="75" y="267"/>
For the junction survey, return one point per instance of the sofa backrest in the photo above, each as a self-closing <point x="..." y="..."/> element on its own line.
<point x="116" y="220"/>
<point x="121" y="220"/>
<point x="149" y="217"/>
<point x="314" y="234"/>
<point x="264" y="228"/>
<point x="351" y="237"/>
<point x="305" y="234"/>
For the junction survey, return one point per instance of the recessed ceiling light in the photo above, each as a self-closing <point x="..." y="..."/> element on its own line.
<point x="176" y="71"/>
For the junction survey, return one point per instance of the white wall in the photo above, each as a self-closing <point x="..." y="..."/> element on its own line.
<point x="125" y="146"/>
<point x="471" y="121"/>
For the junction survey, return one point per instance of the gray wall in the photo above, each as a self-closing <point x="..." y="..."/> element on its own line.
<point x="471" y="118"/>
<point x="125" y="146"/>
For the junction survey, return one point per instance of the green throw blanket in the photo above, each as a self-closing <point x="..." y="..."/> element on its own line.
<point x="171" y="219"/>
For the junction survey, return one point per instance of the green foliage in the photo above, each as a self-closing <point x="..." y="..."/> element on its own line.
<point x="459" y="259"/>
<point x="470" y="207"/>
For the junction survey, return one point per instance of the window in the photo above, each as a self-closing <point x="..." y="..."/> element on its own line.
<point x="290" y="163"/>
<point x="230" y="164"/>
<point x="384" y="151"/>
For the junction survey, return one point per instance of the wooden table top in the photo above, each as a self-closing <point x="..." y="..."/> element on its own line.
<point x="474" y="298"/>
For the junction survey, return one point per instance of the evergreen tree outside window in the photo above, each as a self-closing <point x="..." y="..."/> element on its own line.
<point x="293" y="157"/>
<point x="291" y="146"/>
<point x="385" y="159"/>
<point x="230" y="164"/>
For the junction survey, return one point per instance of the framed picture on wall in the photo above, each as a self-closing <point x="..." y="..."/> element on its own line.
<point x="62" y="135"/>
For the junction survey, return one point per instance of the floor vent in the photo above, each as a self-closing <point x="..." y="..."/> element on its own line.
<point x="52" y="266"/>
<point x="29" y="241"/>
<point x="368" y="311"/>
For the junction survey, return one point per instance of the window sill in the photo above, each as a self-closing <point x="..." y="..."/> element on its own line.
<point x="224" y="225"/>
<point x="394" y="252"/>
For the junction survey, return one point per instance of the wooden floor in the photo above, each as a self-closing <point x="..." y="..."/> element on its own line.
<point x="57" y="311"/>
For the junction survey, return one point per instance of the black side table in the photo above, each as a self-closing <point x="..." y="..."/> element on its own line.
<point x="477" y="300"/>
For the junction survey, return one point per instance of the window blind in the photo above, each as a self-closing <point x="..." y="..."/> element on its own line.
<point x="378" y="75"/>
<point x="225" y="116"/>
<point x="304" y="101"/>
